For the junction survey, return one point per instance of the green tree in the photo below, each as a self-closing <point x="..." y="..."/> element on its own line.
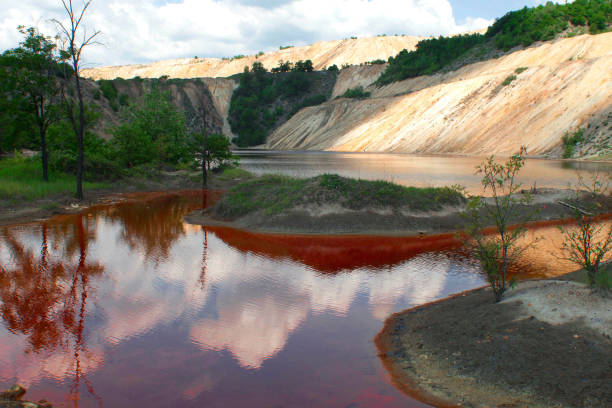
<point x="153" y="130"/>
<point x="497" y="251"/>
<point x="219" y="152"/>
<point x="71" y="51"/>
<point x="32" y="70"/>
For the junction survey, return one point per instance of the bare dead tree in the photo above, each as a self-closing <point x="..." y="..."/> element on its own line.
<point x="74" y="37"/>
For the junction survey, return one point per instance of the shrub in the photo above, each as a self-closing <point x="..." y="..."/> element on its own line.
<point x="124" y="100"/>
<point x="108" y="89"/>
<point x="497" y="251"/>
<point x="356" y="93"/>
<point x="570" y="141"/>
<point x="509" y="80"/>
<point x="589" y="242"/>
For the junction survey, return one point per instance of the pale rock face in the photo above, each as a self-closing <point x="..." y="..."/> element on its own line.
<point x="467" y="111"/>
<point x="567" y="85"/>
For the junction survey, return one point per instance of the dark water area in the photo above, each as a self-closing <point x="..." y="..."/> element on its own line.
<point x="125" y="305"/>
<point x="411" y="170"/>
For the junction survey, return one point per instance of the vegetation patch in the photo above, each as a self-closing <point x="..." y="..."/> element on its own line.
<point x="509" y="80"/>
<point x="570" y="141"/>
<point x="518" y="28"/>
<point x="356" y="93"/>
<point x="264" y="100"/>
<point x="274" y="194"/>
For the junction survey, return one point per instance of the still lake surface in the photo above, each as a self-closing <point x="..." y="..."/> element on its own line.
<point x="125" y="305"/>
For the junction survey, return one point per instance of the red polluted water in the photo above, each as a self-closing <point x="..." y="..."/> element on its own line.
<point x="125" y="305"/>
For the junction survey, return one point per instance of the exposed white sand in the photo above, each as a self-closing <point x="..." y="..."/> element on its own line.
<point x="559" y="302"/>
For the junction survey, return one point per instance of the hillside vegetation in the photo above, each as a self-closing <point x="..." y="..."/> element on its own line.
<point x="265" y="100"/>
<point x="518" y="28"/>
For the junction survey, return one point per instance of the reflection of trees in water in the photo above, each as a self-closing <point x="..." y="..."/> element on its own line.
<point x="44" y="298"/>
<point x="154" y="225"/>
<point x="204" y="262"/>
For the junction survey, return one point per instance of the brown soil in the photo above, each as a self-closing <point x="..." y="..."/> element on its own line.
<point x="547" y="345"/>
<point x="326" y="220"/>
<point x="12" y="212"/>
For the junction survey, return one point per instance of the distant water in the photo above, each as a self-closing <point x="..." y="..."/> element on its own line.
<point x="411" y="170"/>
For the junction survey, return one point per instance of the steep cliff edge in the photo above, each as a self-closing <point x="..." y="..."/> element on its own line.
<point x="490" y="107"/>
<point x="205" y="102"/>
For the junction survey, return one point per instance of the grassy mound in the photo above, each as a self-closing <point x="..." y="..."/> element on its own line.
<point x="274" y="194"/>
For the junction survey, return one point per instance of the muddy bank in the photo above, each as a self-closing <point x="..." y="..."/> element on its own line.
<point x="20" y="211"/>
<point x="546" y="345"/>
<point x="376" y="220"/>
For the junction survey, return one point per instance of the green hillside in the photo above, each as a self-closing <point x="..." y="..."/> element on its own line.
<point x="517" y="28"/>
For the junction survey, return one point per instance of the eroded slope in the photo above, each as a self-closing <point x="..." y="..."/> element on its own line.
<point x="468" y="111"/>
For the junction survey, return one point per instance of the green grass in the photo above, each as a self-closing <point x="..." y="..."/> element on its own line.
<point x="273" y="194"/>
<point x="21" y="179"/>
<point x="234" y="173"/>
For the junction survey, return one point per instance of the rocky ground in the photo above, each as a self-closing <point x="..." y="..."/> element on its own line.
<point x="547" y="344"/>
<point x="12" y="398"/>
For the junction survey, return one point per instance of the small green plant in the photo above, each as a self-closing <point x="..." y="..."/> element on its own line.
<point x="509" y="80"/>
<point x="377" y="62"/>
<point x="588" y="243"/>
<point x="520" y="70"/>
<point x="285" y="47"/>
<point x="497" y="251"/>
<point x="239" y="56"/>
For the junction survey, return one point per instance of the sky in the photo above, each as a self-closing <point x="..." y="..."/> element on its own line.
<point x="142" y="31"/>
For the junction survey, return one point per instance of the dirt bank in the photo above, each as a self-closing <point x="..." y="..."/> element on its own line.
<point x="20" y="211"/>
<point x="546" y="345"/>
<point x="326" y="218"/>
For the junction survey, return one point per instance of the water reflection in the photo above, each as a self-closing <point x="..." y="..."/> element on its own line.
<point x="44" y="299"/>
<point x="126" y="305"/>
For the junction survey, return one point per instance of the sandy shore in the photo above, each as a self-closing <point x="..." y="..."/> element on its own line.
<point x="547" y="344"/>
<point x="336" y="220"/>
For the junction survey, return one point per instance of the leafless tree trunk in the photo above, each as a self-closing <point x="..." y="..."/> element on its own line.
<point x="73" y="51"/>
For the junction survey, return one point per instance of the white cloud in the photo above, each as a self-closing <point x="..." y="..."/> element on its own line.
<point x="146" y="30"/>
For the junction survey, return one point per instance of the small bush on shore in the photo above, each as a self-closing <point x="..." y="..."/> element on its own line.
<point x="497" y="251"/>
<point x="588" y="243"/>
